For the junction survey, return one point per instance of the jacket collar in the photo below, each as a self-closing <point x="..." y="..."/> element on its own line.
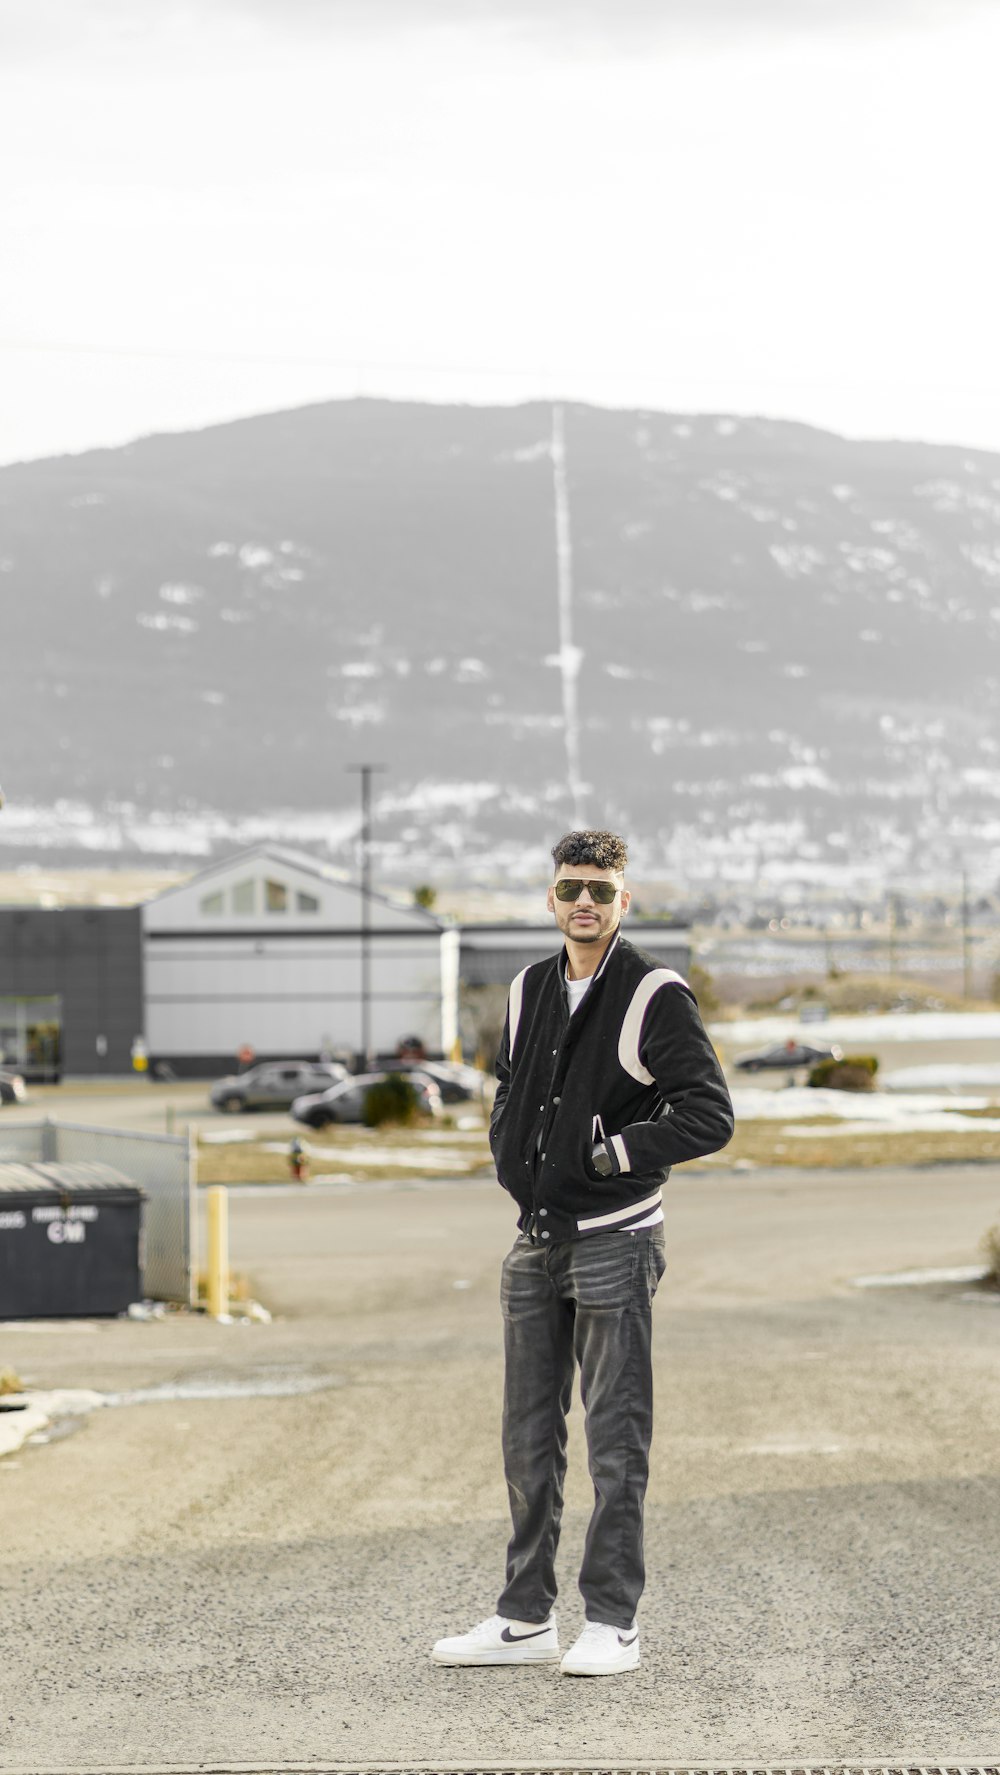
<point x="605" y="958"/>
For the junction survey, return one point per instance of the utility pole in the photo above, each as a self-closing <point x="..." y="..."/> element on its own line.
<point x="966" y="939"/>
<point x="569" y="657"/>
<point x="366" y="771"/>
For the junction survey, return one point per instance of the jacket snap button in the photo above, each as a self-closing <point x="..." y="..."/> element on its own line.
<point x="557" y="1099"/>
<point x="543" y="1212"/>
<point x="545" y="1235"/>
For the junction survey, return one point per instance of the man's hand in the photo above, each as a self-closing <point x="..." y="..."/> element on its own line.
<point x="605" y="1160"/>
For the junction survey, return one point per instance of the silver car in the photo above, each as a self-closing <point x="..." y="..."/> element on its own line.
<point x="274" y="1084"/>
<point x="346" y="1102"/>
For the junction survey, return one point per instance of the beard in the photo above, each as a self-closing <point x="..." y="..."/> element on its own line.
<point x="596" y="935"/>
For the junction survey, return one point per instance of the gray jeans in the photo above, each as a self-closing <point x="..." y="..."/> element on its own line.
<point x="586" y="1301"/>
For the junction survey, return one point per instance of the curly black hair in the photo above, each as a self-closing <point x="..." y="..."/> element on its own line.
<point x="605" y="850"/>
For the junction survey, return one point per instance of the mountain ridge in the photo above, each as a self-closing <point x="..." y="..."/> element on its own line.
<point x="788" y="640"/>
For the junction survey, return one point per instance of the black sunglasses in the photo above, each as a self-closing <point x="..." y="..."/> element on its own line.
<point x="601" y="892"/>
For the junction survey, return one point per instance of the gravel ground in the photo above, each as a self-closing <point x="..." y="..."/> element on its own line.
<point x="256" y="1580"/>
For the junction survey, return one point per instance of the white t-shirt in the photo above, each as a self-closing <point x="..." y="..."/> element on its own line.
<point x="576" y="990"/>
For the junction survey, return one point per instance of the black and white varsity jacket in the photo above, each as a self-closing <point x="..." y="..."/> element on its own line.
<point x="631" y="1066"/>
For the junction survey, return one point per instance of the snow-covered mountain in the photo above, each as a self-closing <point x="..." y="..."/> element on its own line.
<point x="784" y="644"/>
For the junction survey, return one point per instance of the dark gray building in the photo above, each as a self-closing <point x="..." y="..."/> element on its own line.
<point x="71" y="997"/>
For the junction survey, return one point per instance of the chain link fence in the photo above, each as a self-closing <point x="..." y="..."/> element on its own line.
<point x="20" y="1143"/>
<point x="161" y="1165"/>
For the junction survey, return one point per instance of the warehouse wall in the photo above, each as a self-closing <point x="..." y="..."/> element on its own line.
<point x="91" y="957"/>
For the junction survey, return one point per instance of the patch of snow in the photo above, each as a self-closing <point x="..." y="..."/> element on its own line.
<point x="181" y="594"/>
<point x="796" y="558"/>
<point x="412" y="1158"/>
<point x="943" y="1123"/>
<point x="943" y="1078"/>
<point x="920" y="1278"/>
<point x="217" y="549"/>
<point x="161" y="621"/>
<point x="527" y="452"/>
<point x="986" y="560"/>
<point x="88" y="499"/>
<point x="865" y="1109"/>
<point x="361" y="715"/>
<point x="804" y="776"/>
<point x="698" y="602"/>
<point x="862" y="558"/>
<point x="254" y="555"/>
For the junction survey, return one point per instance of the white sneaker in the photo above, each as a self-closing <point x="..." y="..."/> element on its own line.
<point x="499" y="1641"/>
<point x="602" y="1651"/>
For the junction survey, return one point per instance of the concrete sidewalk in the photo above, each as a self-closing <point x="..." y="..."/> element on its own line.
<point x="218" y="1577"/>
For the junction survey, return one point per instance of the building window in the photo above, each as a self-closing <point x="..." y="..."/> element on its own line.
<point x="275" y="896"/>
<point x="244" y="896"/>
<point x="306" y="902"/>
<point x="212" y="905"/>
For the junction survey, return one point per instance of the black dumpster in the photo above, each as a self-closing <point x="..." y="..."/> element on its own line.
<point x="70" y="1241"/>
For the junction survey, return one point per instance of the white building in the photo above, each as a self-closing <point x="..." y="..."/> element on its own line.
<point x="263" y="951"/>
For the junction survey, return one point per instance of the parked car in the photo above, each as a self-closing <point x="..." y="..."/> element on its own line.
<point x="12" y="1087"/>
<point x="785" y="1057"/>
<point x="457" y="1082"/>
<point x="274" y="1084"/>
<point x="345" y="1102"/>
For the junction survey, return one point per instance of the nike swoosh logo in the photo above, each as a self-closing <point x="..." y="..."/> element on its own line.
<point x="514" y="1639"/>
<point x="622" y="1641"/>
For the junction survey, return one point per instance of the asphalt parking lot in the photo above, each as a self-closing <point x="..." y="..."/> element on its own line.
<point x="247" y="1563"/>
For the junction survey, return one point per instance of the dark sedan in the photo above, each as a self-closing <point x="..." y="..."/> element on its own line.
<point x="785" y="1057"/>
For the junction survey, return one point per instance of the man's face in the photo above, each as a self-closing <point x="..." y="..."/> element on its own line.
<point x="583" y="920"/>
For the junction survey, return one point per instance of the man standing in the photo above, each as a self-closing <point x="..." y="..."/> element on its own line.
<point x="606" y="1079"/>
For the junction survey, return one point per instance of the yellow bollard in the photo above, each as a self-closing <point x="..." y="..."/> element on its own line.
<point x="217" y="1279"/>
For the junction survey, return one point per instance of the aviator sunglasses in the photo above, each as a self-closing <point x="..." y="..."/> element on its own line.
<point x="602" y="892"/>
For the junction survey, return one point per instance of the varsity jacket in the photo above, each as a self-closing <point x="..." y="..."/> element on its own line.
<point x="632" y="1066"/>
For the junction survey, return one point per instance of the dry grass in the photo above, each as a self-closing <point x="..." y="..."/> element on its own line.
<point x="758" y="1143"/>
<point x="854" y="995"/>
<point x="342" y="1152"/>
<point x="771" y="1143"/>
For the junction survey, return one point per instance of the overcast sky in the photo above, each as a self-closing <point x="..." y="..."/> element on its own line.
<point x="772" y="206"/>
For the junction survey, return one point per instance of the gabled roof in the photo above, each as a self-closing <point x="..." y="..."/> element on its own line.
<point x="302" y="863"/>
